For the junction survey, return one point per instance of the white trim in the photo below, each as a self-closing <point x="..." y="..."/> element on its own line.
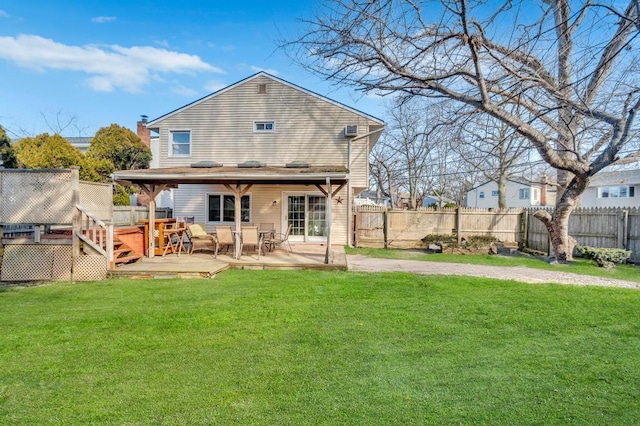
<point x="285" y="215"/>
<point x="253" y="77"/>
<point x="273" y="126"/>
<point x="222" y="194"/>
<point x="170" y="144"/>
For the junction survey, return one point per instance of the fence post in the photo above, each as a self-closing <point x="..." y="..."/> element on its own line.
<point x="458" y="223"/>
<point x="524" y="229"/>
<point x="385" y="230"/>
<point x="623" y="230"/>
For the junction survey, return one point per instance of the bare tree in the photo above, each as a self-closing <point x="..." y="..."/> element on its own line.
<point x="384" y="172"/>
<point x="568" y="68"/>
<point x="493" y="148"/>
<point x="407" y="140"/>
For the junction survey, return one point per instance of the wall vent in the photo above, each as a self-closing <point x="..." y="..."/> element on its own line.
<point x="262" y="89"/>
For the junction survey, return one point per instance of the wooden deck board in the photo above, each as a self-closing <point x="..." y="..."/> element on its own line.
<point x="304" y="256"/>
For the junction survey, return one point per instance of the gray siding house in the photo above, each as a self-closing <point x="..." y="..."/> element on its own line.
<point x="613" y="189"/>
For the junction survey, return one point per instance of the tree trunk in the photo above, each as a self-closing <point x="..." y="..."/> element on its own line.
<point x="557" y="224"/>
<point x="502" y="192"/>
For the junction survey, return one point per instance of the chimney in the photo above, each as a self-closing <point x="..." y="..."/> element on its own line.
<point x="543" y="191"/>
<point x="143" y="133"/>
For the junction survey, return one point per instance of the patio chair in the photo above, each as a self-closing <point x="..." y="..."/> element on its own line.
<point x="224" y="235"/>
<point x="280" y="239"/>
<point x="267" y="229"/>
<point x="251" y="237"/>
<point x="199" y="239"/>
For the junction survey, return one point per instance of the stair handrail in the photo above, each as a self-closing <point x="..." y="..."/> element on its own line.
<point x="92" y="235"/>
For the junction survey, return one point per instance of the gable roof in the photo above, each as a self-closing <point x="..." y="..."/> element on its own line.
<point x="151" y="123"/>
<point x="621" y="177"/>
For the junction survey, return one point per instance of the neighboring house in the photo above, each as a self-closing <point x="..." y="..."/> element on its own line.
<point x="82" y="143"/>
<point x="613" y="189"/>
<point x="265" y="147"/>
<point x="371" y="198"/>
<point x="519" y="194"/>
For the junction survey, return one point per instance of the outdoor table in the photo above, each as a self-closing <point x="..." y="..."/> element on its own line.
<point x="160" y="226"/>
<point x="178" y="246"/>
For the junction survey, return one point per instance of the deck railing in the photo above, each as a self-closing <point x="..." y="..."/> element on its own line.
<point x="96" y="234"/>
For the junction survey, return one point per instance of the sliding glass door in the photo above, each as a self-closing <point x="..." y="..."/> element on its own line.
<point x="306" y="213"/>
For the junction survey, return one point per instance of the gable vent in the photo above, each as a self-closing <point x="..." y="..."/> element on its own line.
<point x="262" y="89"/>
<point x="351" y="131"/>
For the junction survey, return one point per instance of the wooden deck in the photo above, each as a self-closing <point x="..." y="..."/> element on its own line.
<point x="203" y="264"/>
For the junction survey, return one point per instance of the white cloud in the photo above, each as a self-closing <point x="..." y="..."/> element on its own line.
<point x="163" y="43"/>
<point x="4" y="14"/>
<point x="184" y="91"/>
<point x="214" y="86"/>
<point x="109" y="67"/>
<point x="267" y="70"/>
<point x="103" y="19"/>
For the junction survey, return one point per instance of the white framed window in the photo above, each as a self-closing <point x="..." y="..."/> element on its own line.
<point x="481" y="194"/>
<point x="620" y="191"/>
<point x="524" y="193"/>
<point x="222" y="208"/>
<point x="266" y="126"/>
<point x="494" y="193"/>
<point x="179" y="143"/>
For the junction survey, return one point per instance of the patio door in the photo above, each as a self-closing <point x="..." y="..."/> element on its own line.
<point x="306" y="213"/>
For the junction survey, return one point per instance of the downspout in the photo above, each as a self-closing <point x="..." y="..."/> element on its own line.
<point x="349" y="189"/>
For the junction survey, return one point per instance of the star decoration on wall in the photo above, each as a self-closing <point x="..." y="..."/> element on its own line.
<point x="339" y="200"/>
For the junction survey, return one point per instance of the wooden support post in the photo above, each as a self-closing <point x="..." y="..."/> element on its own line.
<point x="238" y="219"/>
<point x="110" y="256"/>
<point x="329" y="199"/>
<point x="152" y="191"/>
<point x="151" y="250"/>
<point x="238" y="193"/>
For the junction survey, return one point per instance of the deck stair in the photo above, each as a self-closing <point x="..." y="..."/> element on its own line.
<point x="123" y="253"/>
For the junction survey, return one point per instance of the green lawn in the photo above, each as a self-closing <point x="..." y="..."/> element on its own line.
<point x="578" y="266"/>
<point x="319" y="348"/>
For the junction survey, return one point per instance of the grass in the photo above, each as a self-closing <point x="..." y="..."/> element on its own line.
<point x="578" y="266"/>
<point x="319" y="348"/>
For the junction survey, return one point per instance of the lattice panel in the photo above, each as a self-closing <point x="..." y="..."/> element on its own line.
<point x="98" y="199"/>
<point x="36" y="262"/>
<point x="90" y="268"/>
<point x="36" y="197"/>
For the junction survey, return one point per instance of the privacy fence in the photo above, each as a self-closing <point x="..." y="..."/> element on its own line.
<point x="598" y="227"/>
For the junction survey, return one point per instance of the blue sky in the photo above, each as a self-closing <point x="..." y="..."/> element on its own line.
<point x="106" y="62"/>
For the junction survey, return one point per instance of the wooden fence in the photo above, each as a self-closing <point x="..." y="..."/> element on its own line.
<point x="379" y="227"/>
<point x="131" y="215"/>
<point x="597" y="227"/>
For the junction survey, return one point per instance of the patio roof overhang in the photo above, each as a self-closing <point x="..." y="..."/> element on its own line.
<point x="172" y="176"/>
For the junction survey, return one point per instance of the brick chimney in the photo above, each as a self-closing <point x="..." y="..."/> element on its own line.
<point x="143" y="133"/>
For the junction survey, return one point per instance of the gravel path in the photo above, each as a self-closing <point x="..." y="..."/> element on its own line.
<point x="522" y="274"/>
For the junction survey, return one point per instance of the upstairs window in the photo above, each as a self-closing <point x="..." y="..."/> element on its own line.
<point x="616" y="191"/>
<point x="179" y="143"/>
<point x="264" y="126"/>
<point x="481" y="194"/>
<point x="494" y="193"/>
<point x="524" y="193"/>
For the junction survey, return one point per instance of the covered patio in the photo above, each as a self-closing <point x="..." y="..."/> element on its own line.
<point x="238" y="181"/>
<point x="203" y="264"/>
